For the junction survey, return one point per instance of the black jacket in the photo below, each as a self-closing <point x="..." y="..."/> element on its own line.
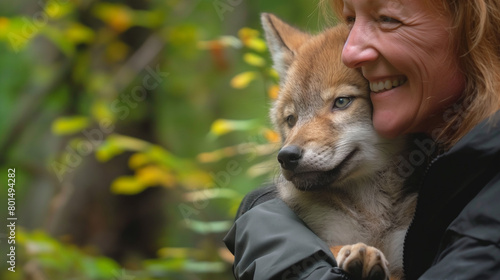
<point x="455" y="233"/>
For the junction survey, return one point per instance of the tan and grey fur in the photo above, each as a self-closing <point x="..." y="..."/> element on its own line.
<point x="337" y="174"/>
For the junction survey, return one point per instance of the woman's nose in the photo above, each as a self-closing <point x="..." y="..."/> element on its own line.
<point x="358" y="49"/>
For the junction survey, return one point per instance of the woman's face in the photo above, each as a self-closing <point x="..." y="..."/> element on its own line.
<point x="403" y="48"/>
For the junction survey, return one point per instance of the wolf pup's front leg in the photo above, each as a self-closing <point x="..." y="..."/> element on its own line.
<point x="362" y="261"/>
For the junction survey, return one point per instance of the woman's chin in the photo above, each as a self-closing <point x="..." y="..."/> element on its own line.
<point x="387" y="127"/>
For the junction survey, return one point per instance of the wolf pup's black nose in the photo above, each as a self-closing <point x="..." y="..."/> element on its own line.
<point x="289" y="157"/>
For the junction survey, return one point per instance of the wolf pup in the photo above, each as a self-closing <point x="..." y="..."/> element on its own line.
<point x="337" y="174"/>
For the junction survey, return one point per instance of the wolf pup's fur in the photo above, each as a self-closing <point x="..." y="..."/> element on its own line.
<point x="338" y="175"/>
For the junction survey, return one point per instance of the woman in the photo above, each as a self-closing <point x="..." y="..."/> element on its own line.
<point x="447" y="53"/>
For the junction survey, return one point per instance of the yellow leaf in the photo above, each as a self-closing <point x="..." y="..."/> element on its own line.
<point x="254" y="60"/>
<point x="13" y="30"/>
<point x="137" y="160"/>
<point x="272" y="136"/>
<point x="101" y="111"/>
<point x="196" y="179"/>
<point x="250" y="38"/>
<point x="55" y="9"/>
<point x="273" y="91"/>
<point x="128" y="185"/>
<point x="209" y="157"/>
<point x="117" y="16"/>
<point x="79" y="33"/>
<point x="128" y="142"/>
<point x="221" y="126"/>
<point x="219" y="154"/>
<point x="154" y="175"/>
<point x="257" y="44"/>
<point x="69" y="125"/>
<point x="242" y="80"/>
<point x="4" y="24"/>
<point x="121" y="20"/>
<point x="246" y="34"/>
<point x="273" y="73"/>
<point x="108" y="150"/>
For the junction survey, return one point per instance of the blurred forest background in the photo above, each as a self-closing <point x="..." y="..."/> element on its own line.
<point x="135" y="128"/>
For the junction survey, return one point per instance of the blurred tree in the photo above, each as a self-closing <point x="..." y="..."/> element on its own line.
<point x="135" y="127"/>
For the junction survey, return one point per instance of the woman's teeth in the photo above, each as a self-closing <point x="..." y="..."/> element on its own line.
<point x="386" y="85"/>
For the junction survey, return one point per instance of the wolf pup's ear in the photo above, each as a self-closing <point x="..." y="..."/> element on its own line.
<point x="283" y="41"/>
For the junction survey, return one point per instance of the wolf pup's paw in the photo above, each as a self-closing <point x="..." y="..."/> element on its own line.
<point x="363" y="262"/>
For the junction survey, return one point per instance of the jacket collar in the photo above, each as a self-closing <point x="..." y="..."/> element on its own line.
<point x="483" y="140"/>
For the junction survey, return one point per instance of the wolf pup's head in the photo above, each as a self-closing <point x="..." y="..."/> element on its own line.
<point x="323" y="111"/>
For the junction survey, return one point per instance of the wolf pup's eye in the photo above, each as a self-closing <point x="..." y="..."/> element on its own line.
<point x="342" y="102"/>
<point x="291" y="120"/>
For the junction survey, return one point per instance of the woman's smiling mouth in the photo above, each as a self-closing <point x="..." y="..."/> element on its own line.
<point x="387" y="84"/>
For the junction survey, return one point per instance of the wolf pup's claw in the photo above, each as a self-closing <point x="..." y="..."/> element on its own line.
<point x="363" y="262"/>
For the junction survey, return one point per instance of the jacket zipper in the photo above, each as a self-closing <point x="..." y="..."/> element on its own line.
<point x="418" y="202"/>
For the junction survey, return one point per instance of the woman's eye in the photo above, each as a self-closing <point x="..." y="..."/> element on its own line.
<point x="389" y="22"/>
<point x="387" y="19"/>
<point x="291" y="120"/>
<point x="350" y="20"/>
<point x="342" y="102"/>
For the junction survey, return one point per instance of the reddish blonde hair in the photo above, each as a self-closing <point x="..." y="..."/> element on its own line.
<point x="476" y="34"/>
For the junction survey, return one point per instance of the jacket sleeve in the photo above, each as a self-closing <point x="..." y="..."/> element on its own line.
<point x="271" y="242"/>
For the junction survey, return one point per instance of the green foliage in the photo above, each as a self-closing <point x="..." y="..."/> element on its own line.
<point x="179" y="90"/>
<point x="39" y="253"/>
